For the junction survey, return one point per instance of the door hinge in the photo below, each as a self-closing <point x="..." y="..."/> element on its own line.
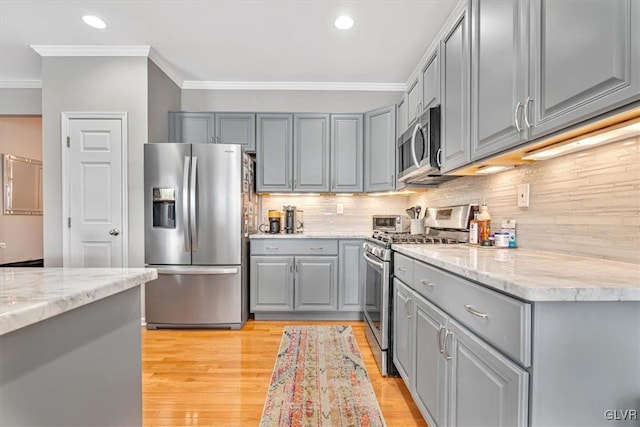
<point x="69" y="222"/>
<point x="68" y="141"/>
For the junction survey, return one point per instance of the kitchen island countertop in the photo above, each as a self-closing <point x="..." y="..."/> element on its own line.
<point x="30" y="295"/>
<point x="534" y="275"/>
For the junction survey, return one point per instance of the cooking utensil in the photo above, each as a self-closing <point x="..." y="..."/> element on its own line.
<point x="411" y="212"/>
<point x="418" y="209"/>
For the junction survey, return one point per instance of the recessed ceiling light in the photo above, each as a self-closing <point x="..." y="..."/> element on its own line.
<point x="94" y="21"/>
<point x="344" y="22"/>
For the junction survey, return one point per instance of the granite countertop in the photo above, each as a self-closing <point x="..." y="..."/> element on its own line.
<point x="312" y="235"/>
<point x="534" y="275"/>
<point x="29" y="295"/>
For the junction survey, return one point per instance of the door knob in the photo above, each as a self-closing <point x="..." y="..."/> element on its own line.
<point x="114" y="232"/>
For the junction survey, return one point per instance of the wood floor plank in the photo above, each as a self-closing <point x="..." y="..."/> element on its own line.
<point x="220" y="378"/>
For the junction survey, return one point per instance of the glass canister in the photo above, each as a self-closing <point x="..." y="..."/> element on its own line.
<point x="299" y="221"/>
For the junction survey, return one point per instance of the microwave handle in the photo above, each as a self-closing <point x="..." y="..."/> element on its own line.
<point x="413" y="145"/>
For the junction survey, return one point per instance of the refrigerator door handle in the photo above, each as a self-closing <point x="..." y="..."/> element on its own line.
<point x="193" y="196"/>
<point x="185" y="205"/>
<point x="196" y="270"/>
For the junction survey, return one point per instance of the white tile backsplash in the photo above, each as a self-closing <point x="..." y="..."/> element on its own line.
<point x="320" y="211"/>
<point x="584" y="204"/>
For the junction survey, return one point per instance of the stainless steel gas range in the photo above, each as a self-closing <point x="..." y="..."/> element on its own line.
<point x="448" y="225"/>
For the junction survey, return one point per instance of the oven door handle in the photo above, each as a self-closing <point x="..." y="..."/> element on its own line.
<point x="373" y="261"/>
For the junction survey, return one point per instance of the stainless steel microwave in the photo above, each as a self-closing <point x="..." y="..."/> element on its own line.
<point x="419" y="151"/>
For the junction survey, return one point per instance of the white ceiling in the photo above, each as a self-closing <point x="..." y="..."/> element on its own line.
<point x="241" y="40"/>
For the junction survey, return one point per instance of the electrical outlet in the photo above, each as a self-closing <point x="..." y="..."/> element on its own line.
<point x="3" y="245"/>
<point x="339" y="208"/>
<point x="523" y="195"/>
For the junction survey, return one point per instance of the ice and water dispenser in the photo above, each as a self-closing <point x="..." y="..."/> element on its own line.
<point x="164" y="207"/>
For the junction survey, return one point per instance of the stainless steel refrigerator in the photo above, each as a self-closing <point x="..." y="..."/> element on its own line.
<point x="199" y="210"/>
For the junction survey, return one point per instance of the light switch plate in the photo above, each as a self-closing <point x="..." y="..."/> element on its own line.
<point x="3" y="245"/>
<point x="523" y="195"/>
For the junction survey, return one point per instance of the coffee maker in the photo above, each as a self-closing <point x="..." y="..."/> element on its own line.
<point x="289" y="219"/>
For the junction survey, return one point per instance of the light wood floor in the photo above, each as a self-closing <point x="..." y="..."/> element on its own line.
<point x="220" y="378"/>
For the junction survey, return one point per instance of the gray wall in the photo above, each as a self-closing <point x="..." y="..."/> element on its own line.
<point x="20" y="102"/>
<point x="309" y="101"/>
<point x="164" y="96"/>
<point x="98" y="84"/>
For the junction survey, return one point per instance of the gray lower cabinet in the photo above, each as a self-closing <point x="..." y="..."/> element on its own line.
<point x="271" y="283"/>
<point x="499" y="80"/>
<point x="455" y="58"/>
<point x="274" y="152"/>
<point x="380" y="149"/>
<point x="430" y="366"/>
<point x="403" y="332"/>
<point x="311" y="152"/>
<point x="346" y="153"/>
<point x="584" y="60"/>
<point x="350" y="275"/>
<point x="486" y="388"/>
<point x="455" y="377"/>
<point x="316" y="284"/>
<point x="193" y="128"/>
<point x="236" y="128"/>
<point x="299" y="276"/>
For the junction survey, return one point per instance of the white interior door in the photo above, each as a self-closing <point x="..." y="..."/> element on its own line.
<point x="95" y="183"/>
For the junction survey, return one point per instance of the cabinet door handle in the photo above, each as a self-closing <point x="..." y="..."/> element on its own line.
<point x="438" y="339"/>
<point x="289" y="182"/>
<point x="516" y="120"/>
<point x="406" y="308"/>
<point x="445" y="353"/>
<point x="427" y="284"/>
<point x="526" y="111"/>
<point x="290" y="268"/>
<point x="333" y="183"/>
<point x="296" y="267"/>
<point x="212" y="139"/>
<point x="470" y="309"/>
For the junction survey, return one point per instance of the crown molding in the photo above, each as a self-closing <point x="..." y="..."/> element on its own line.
<point x="328" y="86"/>
<point x="20" y="84"/>
<point x="165" y="66"/>
<point x="76" y="50"/>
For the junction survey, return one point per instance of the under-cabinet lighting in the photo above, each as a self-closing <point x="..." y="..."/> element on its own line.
<point x="485" y="170"/>
<point x="585" y="141"/>
<point x="94" y="21"/>
<point x="344" y="194"/>
<point x="392" y="193"/>
<point x="290" y="194"/>
<point x="344" y="22"/>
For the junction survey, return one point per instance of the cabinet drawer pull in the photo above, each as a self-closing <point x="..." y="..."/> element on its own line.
<point x="271" y="248"/>
<point x="427" y="284"/>
<point x="438" y="339"/>
<point x="402" y="270"/>
<point x="475" y="312"/>
<point x="319" y="248"/>
<point x="445" y="353"/>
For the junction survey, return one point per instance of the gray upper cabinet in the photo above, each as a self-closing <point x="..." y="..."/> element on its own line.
<point x="236" y="128"/>
<point x="414" y="102"/>
<point x="380" y="149"/>
<point x="454" y="51"/>
<point x="431" y="81"/>
<point x="274" y="152"/>
<point x="346" y="153"/>
<point x="486" y="388"/>
<point x="350" y="287"/>
<point x="585" y="60"/>
<point x="311" y="152"/>
<point x="499" y="79"/>
<point x="316" y="283"/>
<point x="401" y="120"/>
<point x="193" y="128"/>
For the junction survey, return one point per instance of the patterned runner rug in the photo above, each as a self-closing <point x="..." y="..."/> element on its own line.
<point x="319" y="380"/>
